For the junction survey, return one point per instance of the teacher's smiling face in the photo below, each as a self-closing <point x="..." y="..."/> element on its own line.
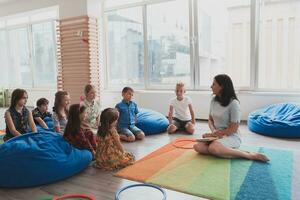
<point x="216" y="88"/>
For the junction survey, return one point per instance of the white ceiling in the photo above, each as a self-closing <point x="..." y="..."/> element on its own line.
<point x="6" y="1"/>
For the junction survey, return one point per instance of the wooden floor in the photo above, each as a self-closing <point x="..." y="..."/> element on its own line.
<point x="103" y="185"/>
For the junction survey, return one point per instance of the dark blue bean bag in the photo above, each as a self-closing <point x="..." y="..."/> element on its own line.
<point x="39" y="158"/>
<point x="278" y="120"/>
<point x="151" y="122"/>
<point x="49" y="122"/>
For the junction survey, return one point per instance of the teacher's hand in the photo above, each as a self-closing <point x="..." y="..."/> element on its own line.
<point x="218" y="133"/>
<point x="205" y="135"/>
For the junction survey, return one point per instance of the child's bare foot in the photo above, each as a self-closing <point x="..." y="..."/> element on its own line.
<point x="127" y="138"/>
<point x="258" y="157"/>
<point x="171" y="129"/>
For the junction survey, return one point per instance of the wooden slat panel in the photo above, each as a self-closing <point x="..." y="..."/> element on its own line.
<point x="71" y="48"/>
<point x="73" y="27"/>
<point x="79" y="54"/>
<point x="78" y="61"/>
<point x="74" y="44"/>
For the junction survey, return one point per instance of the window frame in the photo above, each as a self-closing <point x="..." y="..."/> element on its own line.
<point x="53" y="25"/>
<point x="258" y="10"/>
<point x="255" y="17"/>
<point x="7" y="46"/>
<point x="146" y="85"/>
<point x="28" y="27"/>
<point x="106" y="59"/>
<point x="152" y="86"/>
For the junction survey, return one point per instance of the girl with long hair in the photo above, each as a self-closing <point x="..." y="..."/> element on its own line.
<point x="77" y="135"/>
<point x="110" y="154"/>
<point x="60" y="111"/>
<point x="18" y="118"/>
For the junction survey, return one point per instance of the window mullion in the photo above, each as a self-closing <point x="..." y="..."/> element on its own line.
<point x="254" y="43"/>
<point x="55" y="49"/>
<point x="8" y="57"/>
<point x="191" y="38"/>
<point x="31" y="54"/>
<point x="196" y="66"/>
<point x="146" y="59"/>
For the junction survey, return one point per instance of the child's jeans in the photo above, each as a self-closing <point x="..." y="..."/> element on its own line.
<point x="130" y="131"/>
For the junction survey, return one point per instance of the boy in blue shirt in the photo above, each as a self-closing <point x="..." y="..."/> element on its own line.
<point x="127" y="118"/>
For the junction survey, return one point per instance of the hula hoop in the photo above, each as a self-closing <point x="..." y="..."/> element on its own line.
<point x="175" y="143"/>
<point x="140" y="185"/>
<point x="74" y="195"/>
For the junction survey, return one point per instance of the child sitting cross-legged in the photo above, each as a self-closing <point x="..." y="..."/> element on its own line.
<point x="128" y="111"/>
<point x="181" y="107"/>
<point x="110" y="154"/>
<point x="40" y="113"/>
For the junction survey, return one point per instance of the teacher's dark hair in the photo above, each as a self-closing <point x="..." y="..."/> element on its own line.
<point x="227" y="91"/>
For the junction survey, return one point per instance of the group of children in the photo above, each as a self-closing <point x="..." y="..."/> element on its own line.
<point x="76" y="122"/>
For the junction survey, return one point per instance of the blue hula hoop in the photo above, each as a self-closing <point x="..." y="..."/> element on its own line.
<point x="140" y="185"/>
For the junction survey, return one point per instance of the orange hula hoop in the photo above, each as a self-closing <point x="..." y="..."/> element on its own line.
<point x="175" y="143"/>
<point x="74" y="195"/>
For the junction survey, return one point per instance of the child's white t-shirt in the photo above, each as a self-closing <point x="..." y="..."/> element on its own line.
<point x="181" y="108"/>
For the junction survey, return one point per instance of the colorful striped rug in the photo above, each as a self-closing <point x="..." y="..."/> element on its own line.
<point x="186" y="171"/>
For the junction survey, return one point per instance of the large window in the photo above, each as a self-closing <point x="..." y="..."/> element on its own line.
<point x="125" y="46"/>
<point x="279" y="53"/>
<point x="44" y="60"/>
<point x="168" y="43"/>
<point x="27" y="50"/>
<point x="254" y="41"/>
<point x="224" y="40"/>
<point x="19" y="57"/>
<point x="4" y="60"/>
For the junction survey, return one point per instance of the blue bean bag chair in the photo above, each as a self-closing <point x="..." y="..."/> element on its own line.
<point x="278" y="120"/>
<point x="49" y="122"/>
<point x="151" y="122"/>
<point x="39" y="158"/>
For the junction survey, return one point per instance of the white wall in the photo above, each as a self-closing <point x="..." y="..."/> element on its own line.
<point x="35" y="94"/>
<point x="71" y="8"/>
<point x="20" y="6"/>
<point x="67" y="8"/>
<point x="159" y="100"/>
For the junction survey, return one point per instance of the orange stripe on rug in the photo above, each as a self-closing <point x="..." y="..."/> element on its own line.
<point x="155" y="161"/>
<point x="169" y="147"/>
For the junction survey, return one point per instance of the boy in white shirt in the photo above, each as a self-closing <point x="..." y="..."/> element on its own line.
<point x="184" y="116"/>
